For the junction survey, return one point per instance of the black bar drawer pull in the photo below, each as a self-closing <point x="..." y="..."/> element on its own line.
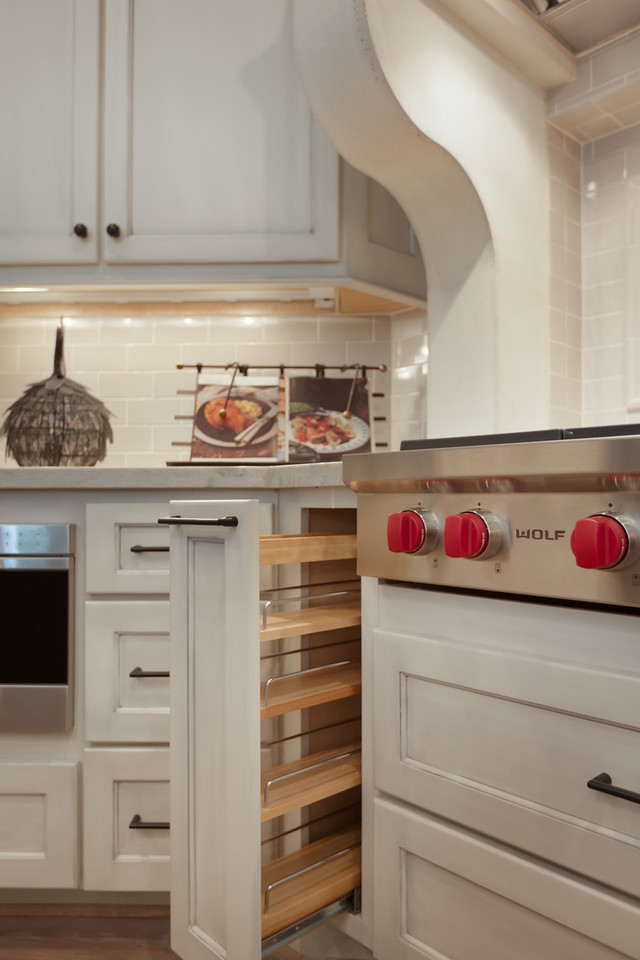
<point x="137" y="823"/>
<point x="138" y="548"/>
<point x="221" y="522"/>
<point x="139" y="672"/>
<point x="603" y="783"/>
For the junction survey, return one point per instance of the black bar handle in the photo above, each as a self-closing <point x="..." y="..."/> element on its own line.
<point x="221" y="522"/>
<point x="603" y="783"/>
<point x="139" y="672"/>
<point x="138" y="548"/>
<point x="137" y="823"/>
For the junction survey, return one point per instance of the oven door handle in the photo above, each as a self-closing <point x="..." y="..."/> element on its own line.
<point x="603" y="783"/>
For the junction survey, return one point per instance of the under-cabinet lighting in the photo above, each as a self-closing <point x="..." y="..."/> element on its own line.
<point x="24" y="289"/>
<point x="188" y="320"/>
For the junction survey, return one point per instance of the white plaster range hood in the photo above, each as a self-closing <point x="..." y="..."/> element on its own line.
<point x="442" y="102"/>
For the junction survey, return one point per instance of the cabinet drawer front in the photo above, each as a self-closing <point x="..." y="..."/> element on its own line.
<point x="479" y="735"/>
<point x="122" y="637"/>
<point x="117" y="561"/>
<point x="38" y="825"/>
<point x="429" y="875"/>
<point x="120" y="785"/>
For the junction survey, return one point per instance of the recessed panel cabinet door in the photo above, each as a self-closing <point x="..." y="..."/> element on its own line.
<point x="49" y="64"/>
<point x="211" y="151"/>
<point x="215" y="732"/>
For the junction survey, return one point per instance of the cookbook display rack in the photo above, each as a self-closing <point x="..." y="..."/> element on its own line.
<point x="353" y="404"/>
<point x="311" y="870"/>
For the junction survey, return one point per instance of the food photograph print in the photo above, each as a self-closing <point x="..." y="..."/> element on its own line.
<point x="235" y="422"/>
<point x="326" y="418"/>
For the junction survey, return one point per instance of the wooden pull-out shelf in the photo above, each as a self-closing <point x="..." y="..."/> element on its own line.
<point x="306" y="780"/>
<point x="311" y="688"/>
<point x="307" y="548"/>
<point x="299" y="894"/>
<point x="294" y="623"/>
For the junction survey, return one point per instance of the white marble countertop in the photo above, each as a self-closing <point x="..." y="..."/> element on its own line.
<point x="267" y="476"/>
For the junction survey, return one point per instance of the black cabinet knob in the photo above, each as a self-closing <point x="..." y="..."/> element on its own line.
<point x="80" y="230"/>
<point x="113" y="230"/>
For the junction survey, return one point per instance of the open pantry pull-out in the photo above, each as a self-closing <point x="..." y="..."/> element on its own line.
<point x="311" y="746"/>
<point x="266" y="741"/>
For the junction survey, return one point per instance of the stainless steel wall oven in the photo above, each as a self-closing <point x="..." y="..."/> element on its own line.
<point x="36" y="626"/>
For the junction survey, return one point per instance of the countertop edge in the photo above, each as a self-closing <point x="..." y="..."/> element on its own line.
<point x="272" y="476"/>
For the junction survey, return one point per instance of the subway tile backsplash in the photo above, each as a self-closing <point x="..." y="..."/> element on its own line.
<point x="565" y="340"/>
<point x="127" y="359"/>
<point x="611" y="263"/>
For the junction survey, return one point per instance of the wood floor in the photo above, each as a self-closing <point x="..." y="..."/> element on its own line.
<point x="49" y="934"/>
<point x="54" y="932"/>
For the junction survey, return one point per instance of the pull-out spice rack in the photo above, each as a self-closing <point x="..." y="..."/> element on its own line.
<point x="299" y="885"/>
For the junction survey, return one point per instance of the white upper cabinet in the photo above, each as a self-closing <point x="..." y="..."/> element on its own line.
<point x="210" y="150"/>
<point x="170" y="141"/>
<point x="49" y="84"/>
<point x="210" y="153"/>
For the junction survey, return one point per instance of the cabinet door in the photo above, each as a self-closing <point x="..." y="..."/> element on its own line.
<point x="444" y="892"/>
<point x="215" y="733"/>
<point x="49" y="62"/>
<point x="38" y="825"/>
<point x="211" y="151"/>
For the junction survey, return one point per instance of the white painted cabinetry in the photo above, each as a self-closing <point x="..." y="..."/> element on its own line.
<point x="38" y="825"/>
<point x="127" y="671"/>
<point x="126" y="691"/>
<point x="164" y="141"/>
<point x="49" y="96"/>
<point x="491" y="717"/>
<point x="210" y="151"/>
<point x="226" y="895"/>
<point x="127" y="550"/>
<point x="126" y="818"/>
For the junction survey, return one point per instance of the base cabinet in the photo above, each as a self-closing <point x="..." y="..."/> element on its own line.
<point x="491" y="719"/>
<point x="38" y="825"/>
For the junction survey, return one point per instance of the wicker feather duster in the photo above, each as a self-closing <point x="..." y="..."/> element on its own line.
<point x="57" y="423"/>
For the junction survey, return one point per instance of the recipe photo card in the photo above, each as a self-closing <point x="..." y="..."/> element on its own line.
<point x="326" y="417"/>
<point x="242" y="421"/>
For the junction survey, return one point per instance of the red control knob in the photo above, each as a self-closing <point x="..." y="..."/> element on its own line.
<point x="465" y="535"/>
<point x="599" y="542"/>
<point x="406" y="532"/>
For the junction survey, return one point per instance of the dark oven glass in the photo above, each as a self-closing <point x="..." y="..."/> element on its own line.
<point x="34" y="645"/>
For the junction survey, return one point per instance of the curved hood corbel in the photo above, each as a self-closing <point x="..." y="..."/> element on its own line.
<point x="416" y="101"/>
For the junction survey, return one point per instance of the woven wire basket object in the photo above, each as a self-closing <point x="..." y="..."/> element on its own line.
<point x="56" y="422"/>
